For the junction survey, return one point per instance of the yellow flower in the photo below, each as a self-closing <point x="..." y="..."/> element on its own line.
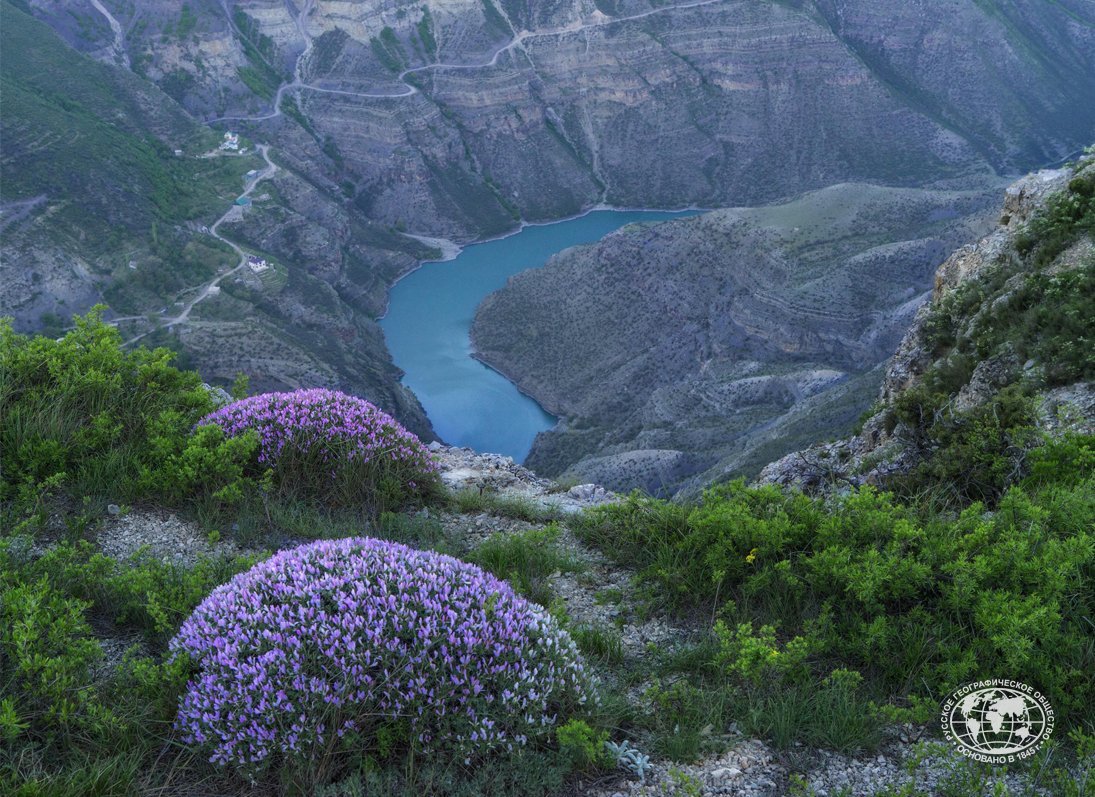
<point x="752" y="556"/>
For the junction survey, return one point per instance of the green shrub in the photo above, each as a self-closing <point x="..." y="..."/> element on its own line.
<point x="143" y="593"/>
<point x="84" y="413"/>
<point x="71" y="722"/>
<point x="582" y="746"/>
<point x="47" y="660"/>
<point x="747" y="655"/>
<point x="203" y="463"/>
<point x="917" y="604"/>
<point x="1047" y="318"/>
<point x="965" y="456"/>
<point x="1066" y="217"/>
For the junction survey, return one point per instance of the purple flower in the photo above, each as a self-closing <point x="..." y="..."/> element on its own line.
<point x="340" y="446"/>
<point x="347" y="634"/>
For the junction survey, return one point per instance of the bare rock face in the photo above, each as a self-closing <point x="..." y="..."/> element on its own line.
<point x="456" y="117"/>
<point x="680" y="352"/>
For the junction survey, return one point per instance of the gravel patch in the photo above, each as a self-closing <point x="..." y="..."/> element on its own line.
<point x="165" y="536"/>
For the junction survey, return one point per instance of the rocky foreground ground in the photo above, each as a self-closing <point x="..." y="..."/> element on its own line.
<point x="910" y="757"/>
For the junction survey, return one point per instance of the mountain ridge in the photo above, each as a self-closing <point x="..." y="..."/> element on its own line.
<point x="688" y="340"/>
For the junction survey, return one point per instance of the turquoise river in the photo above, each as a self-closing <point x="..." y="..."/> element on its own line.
<point x="429" y="316"/>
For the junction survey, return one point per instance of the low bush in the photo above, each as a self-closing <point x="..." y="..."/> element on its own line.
<point x="342" y="646"/>
<point x="80" y="411"/>
<point x="583" y="746"/>
<point x="969" y="455"/>
<point x="917" y="604"/>
<point x="1066" y="217"/>
<point x="328" y="447"/>
<point x="47" y="656"/>
<point x="142" y="592"/>
<point x="1047" y="318"/>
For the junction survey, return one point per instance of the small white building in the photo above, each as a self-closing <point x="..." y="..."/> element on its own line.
<point x="257" y="264"/>
<point x="231" y="141"/>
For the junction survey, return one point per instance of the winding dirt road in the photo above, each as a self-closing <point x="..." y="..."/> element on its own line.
<point x="203" y="291"/>
<point x="518" y="39"/>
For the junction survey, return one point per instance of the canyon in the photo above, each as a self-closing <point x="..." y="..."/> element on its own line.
<point x="689" y="351"/>
<point x="399" y="127"/>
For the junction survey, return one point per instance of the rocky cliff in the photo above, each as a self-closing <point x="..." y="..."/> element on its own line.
<point x="1013" y="312"/>
<point x="459" y="118"/>
<point x="684" y="351"/>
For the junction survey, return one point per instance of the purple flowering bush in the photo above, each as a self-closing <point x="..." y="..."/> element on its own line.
<point x="326" y="445"/>
<point x="321" y="647"/>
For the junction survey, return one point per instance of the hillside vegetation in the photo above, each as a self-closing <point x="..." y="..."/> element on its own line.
<point x="827" y="622"/>
<point x="91" y="147"/>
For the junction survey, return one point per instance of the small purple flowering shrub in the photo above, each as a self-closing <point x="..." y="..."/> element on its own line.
<point x="328" y="446"/>
<point x="325" y="645"/>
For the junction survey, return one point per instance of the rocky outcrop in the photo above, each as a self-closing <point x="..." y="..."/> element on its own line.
<point x="679" y="353"/>
<point x="499" y="476"/>
<point x="881" y="450"/>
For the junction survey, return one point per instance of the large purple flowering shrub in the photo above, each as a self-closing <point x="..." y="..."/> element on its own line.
<point x="324" y="644"/>
<point x="326" y="445"/>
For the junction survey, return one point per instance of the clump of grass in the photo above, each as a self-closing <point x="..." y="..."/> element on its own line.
<point x="527" y="561"/>
<point x="686" y="719"/>
<point x="835" y="716"/>
<point x="598" y="643"/>
<point x="511" y="506"/>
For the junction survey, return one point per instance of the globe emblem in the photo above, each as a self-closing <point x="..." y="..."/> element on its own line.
<point x="997" y="721"/>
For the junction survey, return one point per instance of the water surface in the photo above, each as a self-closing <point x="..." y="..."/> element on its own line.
<point x="430" y="314"/>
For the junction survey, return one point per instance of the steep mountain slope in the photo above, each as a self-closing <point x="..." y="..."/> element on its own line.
<point x="455" y="118"/>
<point x="1002" y="351"/>
<point x="97" y="207"/>
<point x="673" y="349"/>
<point x="89" y="174"/>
